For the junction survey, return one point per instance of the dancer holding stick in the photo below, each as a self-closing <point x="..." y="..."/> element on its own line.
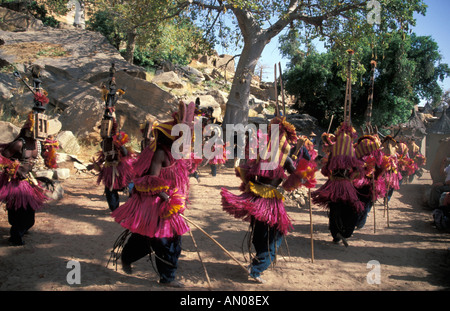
<point x="311" y="225"/>
<point x="338" y="194"/>
<point x="261" y="203"/>
<point x="153" y="213"/>
<point x="370" y="183"/>
<point x="282" y="89"/>
<point x="201" y="261"/>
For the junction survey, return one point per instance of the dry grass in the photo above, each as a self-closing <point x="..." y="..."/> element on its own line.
<point x="28" y="52"/>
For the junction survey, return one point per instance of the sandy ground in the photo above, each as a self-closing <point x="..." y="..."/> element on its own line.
<point x="413" y="255"/>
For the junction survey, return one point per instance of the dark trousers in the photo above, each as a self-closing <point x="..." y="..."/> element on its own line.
<point x="391" y="190"/>
<point x="342" y="219"/>
<point x="213" y="169"/>
<point x="266" y="240"/>
<point x="365" y="195"/>
<point x="21" y="220"/>
<point x="435" y="195"/>
<point x="113" y="199"/>
<point x="362" y="218"/>
<point x="167" y="251"/>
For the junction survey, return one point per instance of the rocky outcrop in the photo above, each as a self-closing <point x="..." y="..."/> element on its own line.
<point x="72" y="74"/>
<point x="18" y="21"/>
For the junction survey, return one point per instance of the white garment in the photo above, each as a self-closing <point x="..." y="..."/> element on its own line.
<point x="447" y="172"/>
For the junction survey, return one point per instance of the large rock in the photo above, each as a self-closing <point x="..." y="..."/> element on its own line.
<point x="259" y="93"/>
<point x="17" y="21"/>
<point x="223" y="62"/>
<point x="8" y="132"/>
<point x="194" y="75"/>
<point x="68" y="142"/>
<point x="169" y="79"/>
<point x="145" y="95"/>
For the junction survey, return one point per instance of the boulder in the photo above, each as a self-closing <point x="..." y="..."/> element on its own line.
<point x="68" y="142"/>
<point x="18" y="21"/>
<point x="146" y="95"/>
<point x="8" y="132"/>
<point x="193" y="74"/>
<point x="58" y="191"/>
<point x="169" y="79"/>
<point x="220" y="97"/>
<point x="261" y="94"/>
<point x="62" y="173"/>
<point x="44" y="173"/>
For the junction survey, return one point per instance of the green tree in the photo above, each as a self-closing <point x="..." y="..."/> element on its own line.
<point x="408" y="70"/>
<point x="153" y="30"/>
<point x="339" y="23"/>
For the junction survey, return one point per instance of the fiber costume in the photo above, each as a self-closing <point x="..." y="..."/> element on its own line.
<point x="50" y="147"/>
<point x="114" y="160"/>
<point x="151" y="216"/>
<point x="19" y="190"/>
<point x="392" y="174"/>
<point x="338" y="194"/>
<point x="261" y="203"/>
<point x="370" y="184"/>
<point x="406" y="165"/>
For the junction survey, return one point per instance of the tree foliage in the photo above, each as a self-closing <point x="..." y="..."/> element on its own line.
<point x="408" y="70"/>
<point x="341" y="24"/>
<point x="153" y="31"/>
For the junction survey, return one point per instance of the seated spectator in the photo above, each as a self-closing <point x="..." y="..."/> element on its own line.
<point x="438" y="188"/>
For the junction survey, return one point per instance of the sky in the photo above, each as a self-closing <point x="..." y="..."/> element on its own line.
<point x="435" y="24"/>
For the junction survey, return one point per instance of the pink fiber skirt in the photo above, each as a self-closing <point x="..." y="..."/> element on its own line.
<point x="18" y="194"/>
<point x="248" y="205"/>
<point x="142" y="214"/>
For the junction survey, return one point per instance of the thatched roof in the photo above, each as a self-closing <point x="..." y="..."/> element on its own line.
<point x="442" y="126"/>
<point x="427" y="108"/>
<point x="415" y="124"/>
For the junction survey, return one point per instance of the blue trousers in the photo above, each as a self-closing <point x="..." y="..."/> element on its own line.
<point x="113" y="199"/>
<point x="167" y="251"/>
<point x="391" y="190"/>
<point x="362" y="218"/>
<point x="213" y="169"/>
<point x="266" y="240"/>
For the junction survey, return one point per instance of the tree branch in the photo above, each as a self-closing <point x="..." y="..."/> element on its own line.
<point x="294" y="13"/>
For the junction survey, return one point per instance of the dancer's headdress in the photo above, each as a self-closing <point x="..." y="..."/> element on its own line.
<point x="287" y="136"/>
<point x="37" y="122"/>
<point x="366" y="145"/>
<point x="185" y="115"/>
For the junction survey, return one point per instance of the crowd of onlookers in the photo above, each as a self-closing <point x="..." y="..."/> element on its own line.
<point x="439" y="200"/>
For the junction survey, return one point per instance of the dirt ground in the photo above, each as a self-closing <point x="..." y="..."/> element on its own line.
<point x="413" y="255"/>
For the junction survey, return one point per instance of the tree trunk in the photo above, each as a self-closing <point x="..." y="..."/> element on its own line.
<point x="237" y="106"/>
<point x="131" y="45"/>
<point x="255" y="40"/>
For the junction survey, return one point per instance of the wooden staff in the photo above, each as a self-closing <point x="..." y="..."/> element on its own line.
<point x="387" y="211"/>
<point x="276" y="91"/>
<point x="200" y="258"/>
<point x="17" y="75"/>
<point x="311" y="225"/>
<point x="331" y="121"/>
<point x="386" y="204"/>
<point x="217" y="243"/>
<point x="373" y="203"/>
<point x="348" y="90"/>
<point x="282" y="89"/>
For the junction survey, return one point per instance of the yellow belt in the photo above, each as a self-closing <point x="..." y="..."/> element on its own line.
<point x="264" y="191"/>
